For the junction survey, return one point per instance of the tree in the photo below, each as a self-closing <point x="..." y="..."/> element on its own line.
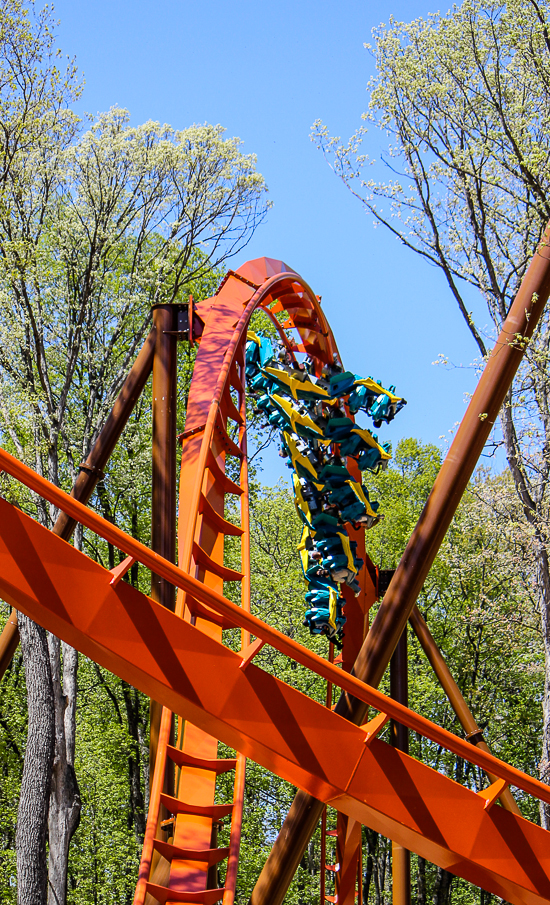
<point x="34" y="121"/>
<point x="94" y="229"/>
<point x="480" y="605"/>
<point x="464" y="100"/>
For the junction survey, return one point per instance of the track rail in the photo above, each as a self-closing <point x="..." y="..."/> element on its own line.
<point x="218" y="389"/>
<point x="179" y="658"/>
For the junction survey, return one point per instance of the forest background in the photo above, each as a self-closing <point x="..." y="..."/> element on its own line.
<point x="99" y="219"/>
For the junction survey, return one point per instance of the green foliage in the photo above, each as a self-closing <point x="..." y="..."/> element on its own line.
<point x="105" y="851"/>
<point x="13" y="730"/>
<point x="478" y="603"/>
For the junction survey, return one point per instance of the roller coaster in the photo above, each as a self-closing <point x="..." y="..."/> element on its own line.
<point x="172" y="644"/>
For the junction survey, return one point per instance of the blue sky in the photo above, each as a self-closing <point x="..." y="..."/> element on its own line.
<point x="266" y="71"/>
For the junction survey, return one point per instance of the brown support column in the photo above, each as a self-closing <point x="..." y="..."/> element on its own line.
<point x="399" y="690"/>
<point x="348" y="847"/>
<point x="163" y="529"/>
<point x="459" y="705"/>
<point x="91" y="470"/>
<point x="420" y="553"/>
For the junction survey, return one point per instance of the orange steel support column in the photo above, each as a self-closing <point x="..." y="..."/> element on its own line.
<point x="420" y="552"/>
<point x="163" y="528"/>
<point x="91" y="470"/>
<point x="401" y="859"/>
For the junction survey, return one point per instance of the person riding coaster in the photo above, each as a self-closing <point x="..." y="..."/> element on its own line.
<point x="308" y="406"/>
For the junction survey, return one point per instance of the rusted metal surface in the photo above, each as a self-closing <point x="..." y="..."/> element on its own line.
<point x="421" y="550"/>
<point x="91" y="470"/>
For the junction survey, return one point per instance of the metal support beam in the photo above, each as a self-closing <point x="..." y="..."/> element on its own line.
<point x="164" y="481"/>
<point x="91" y="470"/>
<point x="456" y="699"/>
<point x="295" y="736"/>
<point x="420" y="552"/>
<point x="399" y="690"/>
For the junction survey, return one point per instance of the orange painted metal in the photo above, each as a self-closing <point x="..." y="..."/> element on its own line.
<point x="421" y="549"/>
<point x="30" y="545"/>
<point x="180" y="660"/>
<point x="203" y="528"/>
<point x="279" y="727"/>
<point x="304" y="315"/>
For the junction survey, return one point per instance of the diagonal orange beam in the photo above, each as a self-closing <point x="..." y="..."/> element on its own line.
<point x="420" y="551"/>
<point x="346" y="681"/>
<point x="274" y="724"/>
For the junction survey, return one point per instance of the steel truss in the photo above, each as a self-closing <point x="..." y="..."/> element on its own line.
<point x="170" y="645"/>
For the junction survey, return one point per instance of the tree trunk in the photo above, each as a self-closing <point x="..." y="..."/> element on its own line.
<point x="533" y="503"/>
<point x="543" y="587"/>
<point x="32" y="816"/>
<point x="372" y="845"/>
<point x="64" y="809"/>
<point x="137" y="804"/>
<point x="442" y="888"/>
<point x="421" y="882"/>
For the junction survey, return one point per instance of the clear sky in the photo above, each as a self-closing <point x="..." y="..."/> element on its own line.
<point x="266" y="71"/>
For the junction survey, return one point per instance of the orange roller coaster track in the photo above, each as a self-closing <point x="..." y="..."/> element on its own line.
<point x="171" y="645"/>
